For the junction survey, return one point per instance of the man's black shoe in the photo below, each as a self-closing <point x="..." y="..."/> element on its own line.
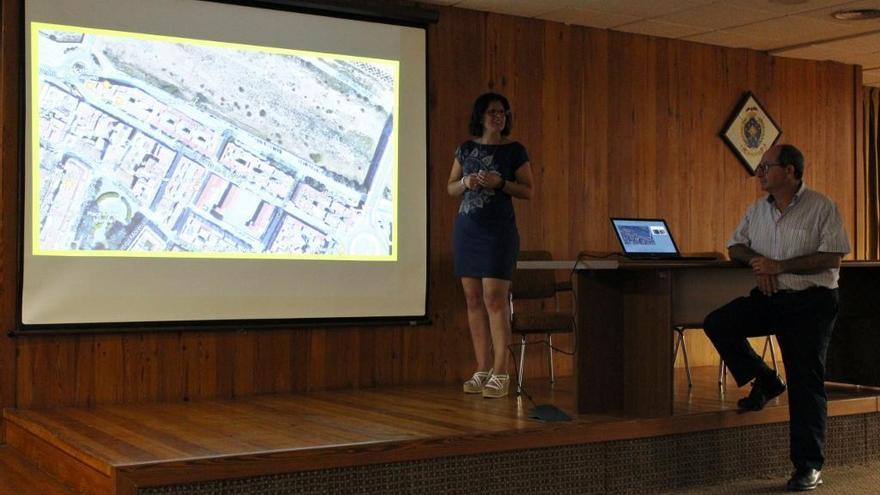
<point x="805" y="479"/>
<point x="763" y="389"/>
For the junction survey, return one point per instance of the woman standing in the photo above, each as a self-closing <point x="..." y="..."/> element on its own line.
<point x="487" y="172"/>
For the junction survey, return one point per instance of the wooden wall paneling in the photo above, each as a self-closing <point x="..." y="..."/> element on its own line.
<point x="226" y="364"/>
<point x="794" y="85"/>
<point x="515" y="60"/>
<point x="62" y="365"/>
<point x="23" y="365"/>
<point x="366" y="371"/>
<point x="447" y="101"/>
<point x="744" y="70"/>
<point x="244" y="364"/>
<point x="169" y="362"/>
<point x="683" y="70"/>
<point x="704" y="167"/>
<point x="10" y="35"/>
<point x="571" y="214"/>
<point x="48" y="364"/>
<point x="839" y="76"/>
<point x="422" y="354"/>
<point x="632" y="124"/>
<point x="272" y="360"/>
<point x="700" y="215"/>
<point x="299" y="366"/>
<point x="556" y="208"/>
<point x="198" y="357"/>
<point x="835" y="165"/>
<point x="459" y="73"/>
<point x="616" y="124"/>
<point x="749" y="71"/>
<point x="562" y="72"/>
<point x="649" y="164"/>
<point x="622" y="143"/>
<point x="208" y="364"/>
<point x="672" y="167"/>
<point x="322" y="359"/>
<point x="825" y="164"/>
<point x="342" y="363"/>
<point x="594" y="159"/>
<point x="140" y="379"/>
<point x="859" y="150"/>
<point x="85" y="371"/>
<point x="386" y="357"/>
<point x="713" y="162"/>
<point x="845" y="158"/>
<point x="109" y="368"/>
<point x="667" y="171"/>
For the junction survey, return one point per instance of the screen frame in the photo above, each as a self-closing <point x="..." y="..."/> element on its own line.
<point x="413" y="17"/>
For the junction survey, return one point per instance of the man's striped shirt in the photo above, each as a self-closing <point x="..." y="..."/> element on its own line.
<point x="811" y="224"/>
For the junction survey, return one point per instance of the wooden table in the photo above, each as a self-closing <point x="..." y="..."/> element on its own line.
<point x="627" y="309"/>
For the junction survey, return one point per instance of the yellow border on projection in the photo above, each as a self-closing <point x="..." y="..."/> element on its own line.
<point x="35" y="28"/>
<point x="395" y="165"/>
<point x="205" y="255"/>
<point x="35" y="140"/>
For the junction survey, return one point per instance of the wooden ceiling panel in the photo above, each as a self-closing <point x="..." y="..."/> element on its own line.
<point x="718" y="16"/>
<point x="661" y="29"/>
<point x="588" y="17"/>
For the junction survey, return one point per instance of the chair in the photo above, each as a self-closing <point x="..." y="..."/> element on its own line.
<point x="692" y="303"/>
<point x="722" y="368"/>
<point x="537" y="286"/>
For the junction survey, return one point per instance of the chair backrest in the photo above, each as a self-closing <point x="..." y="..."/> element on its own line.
<point x="533" y="284"/>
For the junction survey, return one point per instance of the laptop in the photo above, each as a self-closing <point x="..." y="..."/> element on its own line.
<point x="648" y="239"/>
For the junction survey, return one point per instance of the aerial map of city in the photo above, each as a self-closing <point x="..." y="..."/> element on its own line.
<point x="155" y="146"/>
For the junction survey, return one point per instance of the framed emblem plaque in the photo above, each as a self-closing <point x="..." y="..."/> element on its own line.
<point x="750" y="131"/>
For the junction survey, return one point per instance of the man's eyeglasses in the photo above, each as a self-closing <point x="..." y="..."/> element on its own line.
<point x="764" y="167"/>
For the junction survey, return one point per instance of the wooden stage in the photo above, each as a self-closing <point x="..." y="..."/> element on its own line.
<point x="124" y="449"/>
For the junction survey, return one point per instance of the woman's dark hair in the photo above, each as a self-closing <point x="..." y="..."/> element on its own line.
<point x="789" y="155"/>
<point x="480" y="106"/>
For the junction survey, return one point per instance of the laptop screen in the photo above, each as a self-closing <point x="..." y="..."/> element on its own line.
<point x="648" y="236"/>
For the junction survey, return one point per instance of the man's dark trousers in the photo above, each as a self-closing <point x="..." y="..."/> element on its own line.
<point x="802" y="321"/>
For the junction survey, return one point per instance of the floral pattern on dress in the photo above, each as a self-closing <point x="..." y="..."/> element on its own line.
<point x="474" y="162"/>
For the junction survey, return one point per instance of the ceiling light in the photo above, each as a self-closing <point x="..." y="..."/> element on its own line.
<point x="857" y="14"/>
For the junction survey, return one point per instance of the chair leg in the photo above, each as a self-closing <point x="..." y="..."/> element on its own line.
<point x="680" y="344"/>
<point x="550" y="359"/>
<point x="675" y="347"/>
<point x="769" y="343"/>
<point x="722" y="373"/>
<point x="687" y="366"/>
<point x="522" y="360"/>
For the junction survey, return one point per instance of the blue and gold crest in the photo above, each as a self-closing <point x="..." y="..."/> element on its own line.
<point x="752" y="129"/>
<point x="750" y="132"/>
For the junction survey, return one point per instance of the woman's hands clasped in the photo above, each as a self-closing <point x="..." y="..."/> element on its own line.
<point x="489" y="179"/>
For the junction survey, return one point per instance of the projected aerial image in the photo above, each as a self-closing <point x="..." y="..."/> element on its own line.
<point x="156" y="145"/>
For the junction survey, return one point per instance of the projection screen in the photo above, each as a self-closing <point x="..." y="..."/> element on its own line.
<point x="189" y="160"/>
